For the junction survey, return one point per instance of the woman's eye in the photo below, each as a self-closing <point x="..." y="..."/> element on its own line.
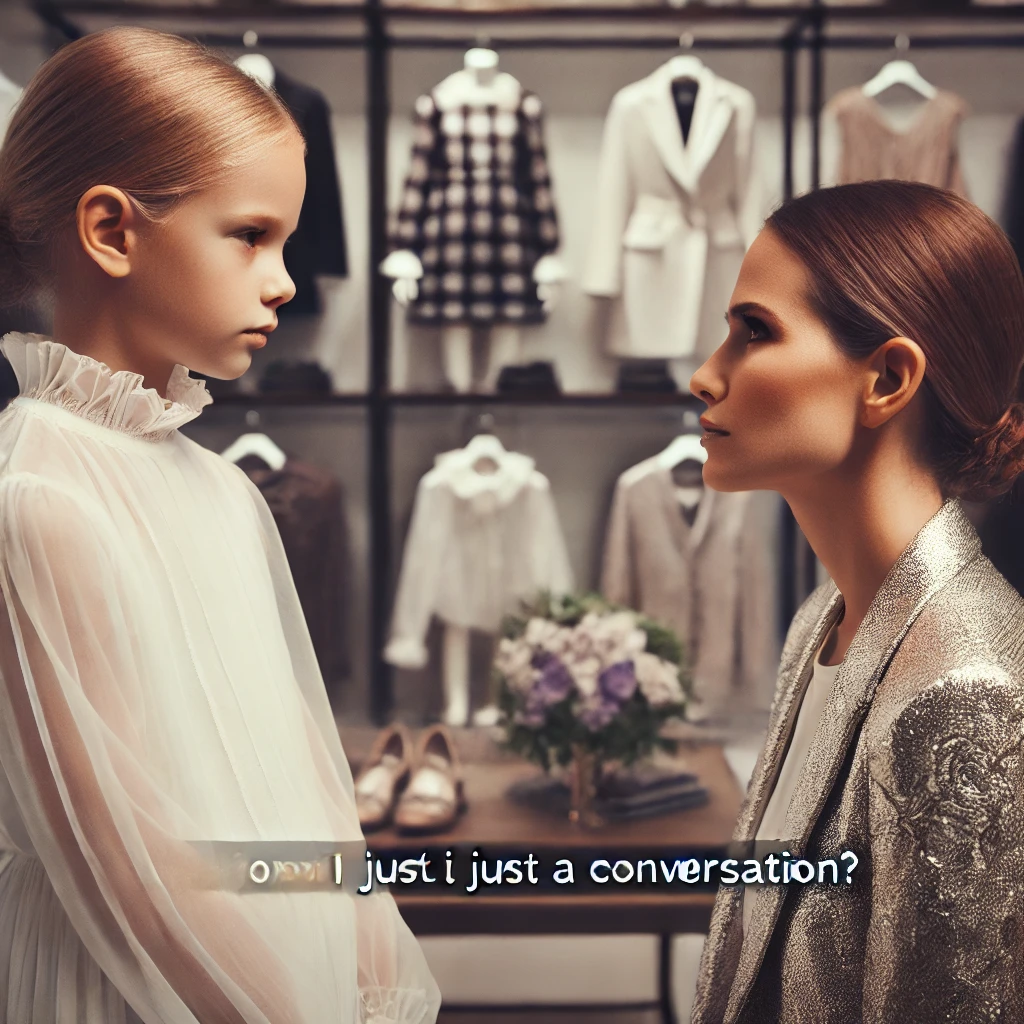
<point x="757" y="328"/>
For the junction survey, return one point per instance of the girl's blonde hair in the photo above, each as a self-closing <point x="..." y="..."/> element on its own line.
<point x="157" y="116"/>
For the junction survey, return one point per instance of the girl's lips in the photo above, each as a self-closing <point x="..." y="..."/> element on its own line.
<point x="255" y="338"/>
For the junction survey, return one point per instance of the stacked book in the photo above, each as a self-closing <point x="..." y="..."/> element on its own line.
<point x="646" y="789"/>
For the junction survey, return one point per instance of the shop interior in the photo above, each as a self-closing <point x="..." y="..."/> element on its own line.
<point x="429" y="363"/>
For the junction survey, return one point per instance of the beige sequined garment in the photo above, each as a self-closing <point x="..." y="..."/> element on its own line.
<point x="871" y="148"/>
<point x="917" y="768"/>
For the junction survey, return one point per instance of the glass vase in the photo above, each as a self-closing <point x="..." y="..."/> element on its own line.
<point x="584" y="777"/>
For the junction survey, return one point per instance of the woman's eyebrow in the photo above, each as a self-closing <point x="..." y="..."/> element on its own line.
<point x="748" y="307"/>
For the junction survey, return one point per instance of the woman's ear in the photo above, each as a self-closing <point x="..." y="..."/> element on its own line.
<point x="895" y="372"/>
<point x="107" y="228"/>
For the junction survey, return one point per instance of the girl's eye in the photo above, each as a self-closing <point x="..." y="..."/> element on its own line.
<point x="757" y="328"/>
<point x="250" y="236"/>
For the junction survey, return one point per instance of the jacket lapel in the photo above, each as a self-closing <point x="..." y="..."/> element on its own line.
<point x="941" y="549"/>
<point x="712" y="111"/>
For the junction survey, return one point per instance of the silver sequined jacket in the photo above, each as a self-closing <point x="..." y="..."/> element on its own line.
<point x="917" y="768"/>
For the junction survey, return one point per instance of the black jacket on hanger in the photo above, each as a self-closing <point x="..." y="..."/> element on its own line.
<point x="318" y="246"/>
<point x="1013" y="216"/>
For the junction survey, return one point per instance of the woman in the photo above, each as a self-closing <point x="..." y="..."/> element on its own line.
<point x="870" y="376"/>
<point x="165" y="734"/>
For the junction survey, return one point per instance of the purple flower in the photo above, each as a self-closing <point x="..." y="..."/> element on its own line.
<point x="617" y="682"/>
<point x="596" y="715"/>
<point x="553" y="684"/>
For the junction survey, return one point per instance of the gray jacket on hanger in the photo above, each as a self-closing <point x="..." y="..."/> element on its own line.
<point x="711" y="582"/>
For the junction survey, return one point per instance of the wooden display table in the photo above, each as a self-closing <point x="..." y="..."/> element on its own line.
<point x="493" y="820"/>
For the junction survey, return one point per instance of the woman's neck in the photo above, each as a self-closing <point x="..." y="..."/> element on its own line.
<point x="858" y="526"/>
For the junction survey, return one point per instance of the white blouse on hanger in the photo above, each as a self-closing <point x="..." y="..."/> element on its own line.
<point x="478" y="544"/>
<point x="773" y="823"/>
<point x="159" y="687"/>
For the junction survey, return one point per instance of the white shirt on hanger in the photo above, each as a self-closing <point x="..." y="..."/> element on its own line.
<point x="773" y="824"/>
<point x="477" y="544"/>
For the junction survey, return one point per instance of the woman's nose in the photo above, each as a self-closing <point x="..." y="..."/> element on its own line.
<point x="700" y="385"/>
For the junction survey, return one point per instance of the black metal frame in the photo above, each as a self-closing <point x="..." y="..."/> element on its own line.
<point x="805" y="29"/>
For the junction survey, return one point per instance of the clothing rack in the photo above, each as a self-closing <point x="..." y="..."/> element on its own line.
<point x="379" y="30"/>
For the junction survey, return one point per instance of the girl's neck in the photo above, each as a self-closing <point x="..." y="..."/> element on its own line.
<point x="111" y="343"/>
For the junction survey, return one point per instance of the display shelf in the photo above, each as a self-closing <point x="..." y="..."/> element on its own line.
<point x="690" y="12"/>
<point x="240" y="11"/>
<point x="380" y="29"/>
<point x="612" y="399"/>
<point x="600" y="399"/>
<point x="290" y="398"/>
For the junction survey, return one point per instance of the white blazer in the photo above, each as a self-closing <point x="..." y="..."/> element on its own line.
<point x="661" y="205"/>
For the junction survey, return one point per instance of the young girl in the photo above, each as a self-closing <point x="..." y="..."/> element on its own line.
<point x="160" y="699"/>
<point x="871" y="376"/>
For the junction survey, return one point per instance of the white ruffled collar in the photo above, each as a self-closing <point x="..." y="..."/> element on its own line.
<point x="51" y="372"/>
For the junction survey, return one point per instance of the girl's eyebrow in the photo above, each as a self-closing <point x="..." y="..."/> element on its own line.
<point x="263" y="220"/>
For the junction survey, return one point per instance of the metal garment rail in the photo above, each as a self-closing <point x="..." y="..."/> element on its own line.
<point x="380" y="402"/>
<point x="803" y="29"/>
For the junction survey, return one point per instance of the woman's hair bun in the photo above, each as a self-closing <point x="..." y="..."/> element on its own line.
<point x="996" y="458"/>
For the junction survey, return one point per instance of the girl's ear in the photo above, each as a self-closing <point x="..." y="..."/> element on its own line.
<point x="895" y="372"/>
<point x="107" y="228"/>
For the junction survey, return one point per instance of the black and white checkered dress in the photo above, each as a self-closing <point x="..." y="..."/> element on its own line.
<point x="477" y="209"/>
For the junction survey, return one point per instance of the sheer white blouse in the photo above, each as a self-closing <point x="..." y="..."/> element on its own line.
<point x="159" y="689"/>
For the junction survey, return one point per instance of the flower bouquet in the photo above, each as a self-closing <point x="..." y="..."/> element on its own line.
<point x="581" y="682"/>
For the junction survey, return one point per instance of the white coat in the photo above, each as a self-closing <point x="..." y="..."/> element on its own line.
<point x="667" y="212"/>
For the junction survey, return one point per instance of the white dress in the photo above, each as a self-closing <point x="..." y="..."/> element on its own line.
<point x="159" y="689"/>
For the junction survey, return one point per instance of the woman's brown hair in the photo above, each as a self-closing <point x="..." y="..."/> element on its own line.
<point x="150" y="113"/>
<point x="901" y="259"/>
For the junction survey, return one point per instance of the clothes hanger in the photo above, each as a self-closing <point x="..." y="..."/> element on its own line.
<point x="686" y="65"/>
<point x="256" y="65"/>
<point x="480" y="59"/>
<point x="686" y="446"/>
<point x="255" y="444"/>
<point x="899" y="72"/>
<point x="484" y="449"/>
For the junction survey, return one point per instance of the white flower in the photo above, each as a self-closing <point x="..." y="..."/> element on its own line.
<point x="539" y="632"/>
<point x="658" y="679"/>
<point x="513" y="661"/>
<point x="559" y="642"/>
<point x="585" y="673"/>
<point x="635" y="642"/>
